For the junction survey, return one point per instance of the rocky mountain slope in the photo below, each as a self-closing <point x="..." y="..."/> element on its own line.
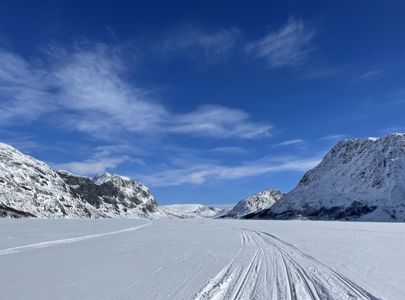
<point x="114" y="195"/>
<point x="30" y="188"/>
<point x="184" y="211"/>
<point x="359" y="179"/>
<point x="254" y="204"/>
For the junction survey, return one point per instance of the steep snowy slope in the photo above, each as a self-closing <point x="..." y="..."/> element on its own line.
<point x="255" y="203"/>
<point x="358" y="179"/>
<point x="29" y="187"/>
<point x="191" y="210"/>
<point x="114" y="195"/>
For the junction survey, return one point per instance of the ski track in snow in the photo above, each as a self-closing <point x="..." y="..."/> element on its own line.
<point x="28" y="247"/>
<point x="265" y="267"/>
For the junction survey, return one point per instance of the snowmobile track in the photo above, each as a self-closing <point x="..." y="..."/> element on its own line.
<point x="266" y="267"/>
<point x="46" y="244"/>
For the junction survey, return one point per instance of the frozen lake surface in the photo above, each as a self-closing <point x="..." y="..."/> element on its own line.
<point x="200" y="259"/>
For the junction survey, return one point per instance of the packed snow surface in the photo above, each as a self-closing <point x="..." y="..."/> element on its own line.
<point x="200" y="259"/>
<point x="191" y="210"/>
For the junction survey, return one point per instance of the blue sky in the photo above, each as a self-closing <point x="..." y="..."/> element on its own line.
<point x="207" y="101"/>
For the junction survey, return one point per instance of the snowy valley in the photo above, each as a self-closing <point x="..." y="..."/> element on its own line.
<point x="200" y="259"/>
<point x="193" y="251"/>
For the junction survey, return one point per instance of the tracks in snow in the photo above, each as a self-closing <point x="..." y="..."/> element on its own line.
<point x="18" y="249"/>
<point x="265" y="267"/>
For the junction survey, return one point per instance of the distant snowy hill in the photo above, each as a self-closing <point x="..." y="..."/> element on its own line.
<point x="114" y="195"/>
<point x="361" y="179"/>
<point x="30" y="188"/>
<point x="254" y="204"/>
<point x="191" y="210"/>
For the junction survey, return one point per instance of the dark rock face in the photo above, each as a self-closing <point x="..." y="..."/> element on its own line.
<point x="354" y="211"/>
<point x="9" y="212"/>
<point x="83" y="187"/>
<point x="112" y="194"/>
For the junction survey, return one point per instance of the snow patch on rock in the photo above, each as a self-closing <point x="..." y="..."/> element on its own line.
<point x="255" y="203"/>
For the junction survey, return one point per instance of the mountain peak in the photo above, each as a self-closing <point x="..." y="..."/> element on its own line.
<point x="356" y="178"/>
<point x="106" y="177"/>
<point x="191" y="210"/>
<point x="30" y="187"/>
<point x="255" y="203"/>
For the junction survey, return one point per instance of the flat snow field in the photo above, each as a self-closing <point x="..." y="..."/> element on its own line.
<point x="200" y="259"/>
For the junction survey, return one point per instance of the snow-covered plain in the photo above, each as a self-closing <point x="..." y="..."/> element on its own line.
<point x="200" y="259"/>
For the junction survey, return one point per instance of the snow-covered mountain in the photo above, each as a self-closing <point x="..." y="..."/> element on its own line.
<point x="191" y="211"/>
<point x="360" y="179"/>
<point x="30" y="188"/>
<point x="114" y="195"/>
<point x="254" y="203"/>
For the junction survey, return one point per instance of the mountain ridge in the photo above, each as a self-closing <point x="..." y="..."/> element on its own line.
<point x="184" y="211"/>
<point x="254" y="203"/>
<point x="31" y="188"/>
<point x="358" y="179"/>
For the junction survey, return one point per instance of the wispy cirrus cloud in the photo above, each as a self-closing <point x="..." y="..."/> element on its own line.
<point x="200" y="174"/>
<point x="216" y="120"/>
<point x="229" y="150"/>
<point x="368" y="75"/>
<point x="87" y="89"/>
<point x="23" y="89"/>
<point x="192" y="42"/>
<point x="288" y="46"/>
<point x="290" y="142"/>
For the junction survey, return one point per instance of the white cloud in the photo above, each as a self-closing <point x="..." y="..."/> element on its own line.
<point x="87" y="89"/>
<point x="229" y="150"/>
<point x="219" y="121"/>
<point x="92" y="85"/>
<point x="369" y="75"/>
<point x="291" y="142"/>
<point x="195" y="42"/>
<point x="199" y="174"/>
<point x="23" y="90"/>
<point x="287" y="46"/>
<point x="91" y="166"/>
